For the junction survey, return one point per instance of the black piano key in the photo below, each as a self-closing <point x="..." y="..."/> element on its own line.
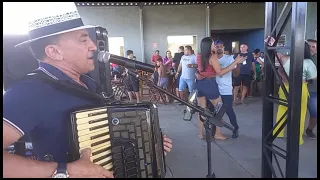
<point x="100" y="142"/>
<point x="101" y="158"/>
<point x="99" y="135"/>
<point x="97" y="120"/>
<point x="105" y="163"/>
<point x="97" y="127"/>
<point x="97" y="113"/>
<point x="101" y="151"/>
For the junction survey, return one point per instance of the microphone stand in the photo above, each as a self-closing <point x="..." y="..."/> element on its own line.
<point x="209" y="128"/>
<point x="210" y="119"/>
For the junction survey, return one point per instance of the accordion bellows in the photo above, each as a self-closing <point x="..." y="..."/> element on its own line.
<point x="125" y="139"/>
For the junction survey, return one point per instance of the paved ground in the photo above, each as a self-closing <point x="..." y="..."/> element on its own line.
<point x="239" y="158"/>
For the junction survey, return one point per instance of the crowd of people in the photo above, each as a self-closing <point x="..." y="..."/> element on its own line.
<point x="218" y="76"/>
<point x="212" y="78"/>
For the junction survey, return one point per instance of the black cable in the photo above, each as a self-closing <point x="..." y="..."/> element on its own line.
<point x="170" y="171"/>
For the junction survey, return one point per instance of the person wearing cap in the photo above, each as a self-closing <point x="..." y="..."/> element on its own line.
<point x="225" y="84"/>
<point x="36" y="108"/>
<point x="209" y="69"/>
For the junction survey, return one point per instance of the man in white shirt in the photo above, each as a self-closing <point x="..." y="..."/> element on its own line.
<point x="187" y="68"/>
<point x="225" y="87"/>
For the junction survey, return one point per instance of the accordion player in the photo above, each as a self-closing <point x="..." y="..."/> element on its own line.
<point x="35" y="107"/>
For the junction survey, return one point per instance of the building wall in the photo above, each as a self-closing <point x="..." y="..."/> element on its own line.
<point x="311" y="25"/>
<point x="237" y="16"/>
<point x="162" y="21"/>
<point x="254" y="40"/>
<point x="311" y="22"/>
<point x="119" y="22"/>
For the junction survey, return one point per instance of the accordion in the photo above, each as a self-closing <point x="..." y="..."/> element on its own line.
<point x="124" y="139"/>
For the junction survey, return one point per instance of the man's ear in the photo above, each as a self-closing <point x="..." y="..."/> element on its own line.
<point x="53" y="52"/>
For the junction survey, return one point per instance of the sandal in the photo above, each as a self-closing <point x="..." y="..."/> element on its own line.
<point x="220" y="137"/>
<point x="200" y="136"/>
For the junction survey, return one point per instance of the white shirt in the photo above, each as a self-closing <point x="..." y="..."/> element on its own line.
<point x="188" y="73"/>
<point x="225" y="82"/>
<point x="262" y="59"/>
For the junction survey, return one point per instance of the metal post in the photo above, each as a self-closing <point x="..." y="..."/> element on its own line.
<point x="141" y="33"/>
<point x="295" y="87"/>
<point x="208" y="32"/>
<point x="268" y="84"/>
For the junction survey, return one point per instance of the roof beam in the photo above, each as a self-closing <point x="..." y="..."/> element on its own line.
<point x="143" y="4"/>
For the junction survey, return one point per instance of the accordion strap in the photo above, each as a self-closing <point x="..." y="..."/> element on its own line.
<point x="66" y="86"/>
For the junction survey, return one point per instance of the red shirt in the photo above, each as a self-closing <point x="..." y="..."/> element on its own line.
<point x="113" y="65"/>
<point x="209" y="72"/>
<point x="155" y="58"/>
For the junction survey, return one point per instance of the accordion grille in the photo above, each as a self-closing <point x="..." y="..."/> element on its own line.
<point x="120" y="141"/>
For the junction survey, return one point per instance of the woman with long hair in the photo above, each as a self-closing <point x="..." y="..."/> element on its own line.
<point x="167" y="61"/>
<point x="309" y="73"/>
<point x="208" y="69"/>
<point x="256" y="83"/>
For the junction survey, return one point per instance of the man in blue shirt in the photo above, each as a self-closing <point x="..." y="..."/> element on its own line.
<point x="245" y="74"/>
<point x="39" y="110"/>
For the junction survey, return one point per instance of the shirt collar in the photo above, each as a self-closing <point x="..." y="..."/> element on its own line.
<point x="53" y="72"/>
<point x="57" y="74"/>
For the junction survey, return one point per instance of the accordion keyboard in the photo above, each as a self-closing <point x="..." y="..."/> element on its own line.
<point x="93" y="132"/>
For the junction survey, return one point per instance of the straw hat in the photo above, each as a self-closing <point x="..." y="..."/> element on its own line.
<point x="47" y="19"/>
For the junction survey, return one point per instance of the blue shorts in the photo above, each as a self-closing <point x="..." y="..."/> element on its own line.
<point x="155" y="77"/>
<point x="208" y="88"/>
<point x="177" y="81"/>
<point x="312" y="104"/>
<point x="164" y="82"/>
<point x="183" y="83"/>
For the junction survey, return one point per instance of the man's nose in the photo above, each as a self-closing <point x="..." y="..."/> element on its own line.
<point x="92" y="46"/>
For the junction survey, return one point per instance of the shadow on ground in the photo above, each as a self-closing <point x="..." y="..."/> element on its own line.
<point x="232" y="158"/>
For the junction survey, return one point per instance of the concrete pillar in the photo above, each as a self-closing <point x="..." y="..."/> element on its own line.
<point x="141" y="34"/>
<point x="208" y="30"/>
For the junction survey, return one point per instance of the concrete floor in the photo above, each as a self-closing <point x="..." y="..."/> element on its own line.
<point x="232" y="158"/>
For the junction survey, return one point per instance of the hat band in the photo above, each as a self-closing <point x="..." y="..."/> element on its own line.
<point x="55" y="28"/>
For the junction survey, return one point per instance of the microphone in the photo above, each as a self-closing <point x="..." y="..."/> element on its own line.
<point x="106" y="57"/>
